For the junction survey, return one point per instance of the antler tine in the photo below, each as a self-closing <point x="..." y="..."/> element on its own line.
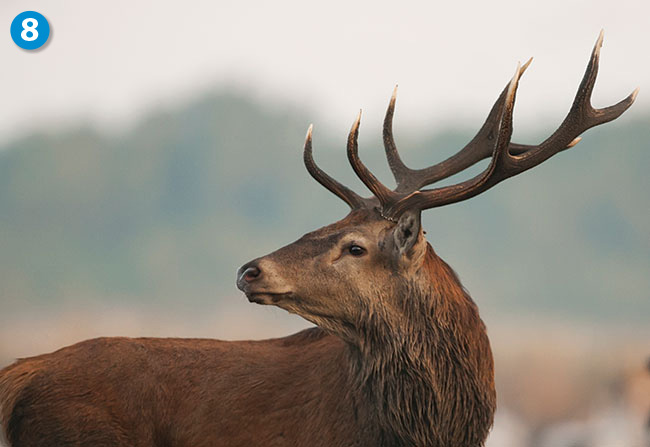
<point x="400" y="171"/>
<point x="347" y="195"/>
<point x="384" y="194"/>
<point x="424" y="199"/>
<point x="479" y="148"/>
<point x="504" y="164"/>
<point x="581" y="117"/>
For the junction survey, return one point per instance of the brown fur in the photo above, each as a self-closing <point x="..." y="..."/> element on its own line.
<point x="185" y="392"/>
<point x="402" y="359"/>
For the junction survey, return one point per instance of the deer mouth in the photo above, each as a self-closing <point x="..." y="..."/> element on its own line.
<point x="266" y="297"/>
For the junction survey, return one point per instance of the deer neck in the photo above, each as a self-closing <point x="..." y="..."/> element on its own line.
<point x="427" y="366"/>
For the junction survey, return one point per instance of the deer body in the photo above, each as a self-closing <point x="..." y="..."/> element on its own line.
<point x="400" y="357"/>
<point x="309" y="389"/>
<point x="184" y="392"/>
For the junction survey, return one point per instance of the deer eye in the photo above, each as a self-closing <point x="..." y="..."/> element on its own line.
<point x="356" y="250"/>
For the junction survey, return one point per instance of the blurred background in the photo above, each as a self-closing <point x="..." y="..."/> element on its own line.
<point x="150" y="149"/>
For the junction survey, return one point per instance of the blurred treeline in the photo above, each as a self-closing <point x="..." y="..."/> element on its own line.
<point x="163" y="213"/>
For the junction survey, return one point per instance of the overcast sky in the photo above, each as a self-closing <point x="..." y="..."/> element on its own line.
<point x="109" y="62"/>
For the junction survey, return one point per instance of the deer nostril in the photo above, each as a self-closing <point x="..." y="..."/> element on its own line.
<point x="247" y="274"/>
<point x="251" y="273"/>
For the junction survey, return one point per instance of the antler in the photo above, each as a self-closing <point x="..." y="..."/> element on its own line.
<point x="343" y="192"/>
<point x="492" y="140"/>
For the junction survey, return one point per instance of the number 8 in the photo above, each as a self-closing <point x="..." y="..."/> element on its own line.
<point x="29" y="29"/>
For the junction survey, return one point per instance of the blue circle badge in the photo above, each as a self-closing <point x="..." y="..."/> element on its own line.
<point x="30" y="30"/>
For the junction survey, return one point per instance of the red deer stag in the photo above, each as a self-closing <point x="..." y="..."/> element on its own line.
<point x="400" y="356"/>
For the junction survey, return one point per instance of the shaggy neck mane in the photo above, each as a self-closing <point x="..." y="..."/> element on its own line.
<point x="426" y="364"/>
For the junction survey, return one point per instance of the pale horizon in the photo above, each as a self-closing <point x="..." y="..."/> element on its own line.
<point x="328" y="60"/>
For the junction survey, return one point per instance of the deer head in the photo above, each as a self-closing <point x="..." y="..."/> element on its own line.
<point x="335" y="276"/>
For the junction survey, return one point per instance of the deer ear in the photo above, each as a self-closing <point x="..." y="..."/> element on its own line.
<point x="406" y="233"/>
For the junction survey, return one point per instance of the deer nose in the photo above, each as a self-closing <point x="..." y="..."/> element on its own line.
<point x="247" y="273"/>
